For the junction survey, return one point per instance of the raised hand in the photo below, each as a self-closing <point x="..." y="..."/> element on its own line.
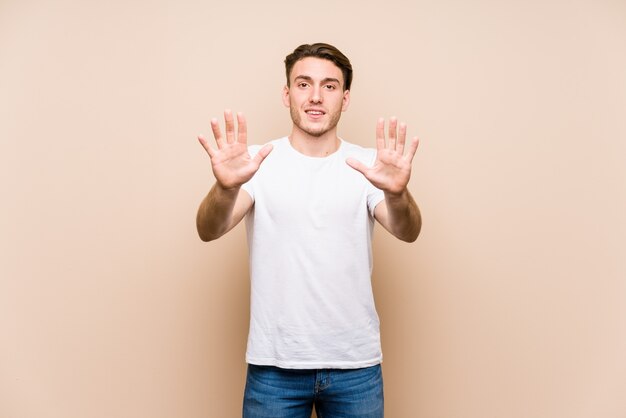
<point x="392" y="168"/>
<point x="231" y="162"/>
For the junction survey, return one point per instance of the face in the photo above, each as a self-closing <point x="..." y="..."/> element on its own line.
<point x="316" y="97"/>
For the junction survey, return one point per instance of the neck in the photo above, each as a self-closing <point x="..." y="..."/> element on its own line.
<point x="314" y="146"/>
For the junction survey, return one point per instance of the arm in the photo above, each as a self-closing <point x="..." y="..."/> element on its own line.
<point x="400" y="216"/>
<point x="391" y="172"/>
<point x="220" y="211"/>
<point x="226" y="205"/>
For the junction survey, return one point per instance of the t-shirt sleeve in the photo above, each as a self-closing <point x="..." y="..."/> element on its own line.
<point x="249" y="185"/>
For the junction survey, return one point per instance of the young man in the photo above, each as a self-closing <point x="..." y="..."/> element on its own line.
<point x="310" y="201"/>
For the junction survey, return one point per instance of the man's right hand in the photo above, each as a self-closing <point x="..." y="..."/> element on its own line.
<point x="231" y="162"/>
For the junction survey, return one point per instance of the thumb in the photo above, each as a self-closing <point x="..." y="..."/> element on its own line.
<point x="205" y="145"/>
<point x="357" y="165"/>
<point x="263" y="152"/>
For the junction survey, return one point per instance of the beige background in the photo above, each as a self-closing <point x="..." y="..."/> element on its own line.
<point x="510" y="304"/>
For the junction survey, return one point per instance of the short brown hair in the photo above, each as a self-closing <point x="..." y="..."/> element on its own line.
<point x="324" y="51"/>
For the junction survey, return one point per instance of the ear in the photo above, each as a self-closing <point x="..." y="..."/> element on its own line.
<point x="286" y="96"/>
<point x="346" y="100"/>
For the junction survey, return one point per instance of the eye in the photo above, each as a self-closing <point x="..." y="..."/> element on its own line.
<point x="302" y="84"/>
<point x="330" y="87"/>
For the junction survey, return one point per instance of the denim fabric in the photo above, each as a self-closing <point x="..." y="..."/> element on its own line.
<point x="272" y="392"/>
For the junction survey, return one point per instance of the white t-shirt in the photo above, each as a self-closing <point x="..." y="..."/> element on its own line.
<point x="309" y="236"/>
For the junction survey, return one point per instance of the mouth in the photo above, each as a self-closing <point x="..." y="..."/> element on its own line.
<point x="314" y="113"/>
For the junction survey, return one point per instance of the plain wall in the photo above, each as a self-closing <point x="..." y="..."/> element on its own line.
<point x="510" y="304"/>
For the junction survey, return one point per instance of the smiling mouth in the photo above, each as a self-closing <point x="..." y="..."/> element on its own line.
<point x="315" y="112"/>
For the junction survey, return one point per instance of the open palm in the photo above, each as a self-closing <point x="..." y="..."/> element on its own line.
<point x="392" y="168"/>
<point x="231" y="163"/>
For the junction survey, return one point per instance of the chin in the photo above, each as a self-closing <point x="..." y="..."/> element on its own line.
<point x="314" y="129"/>
<point x="316" y="133"/>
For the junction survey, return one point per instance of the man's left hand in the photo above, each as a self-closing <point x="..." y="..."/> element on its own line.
<point x="392" y="168"/>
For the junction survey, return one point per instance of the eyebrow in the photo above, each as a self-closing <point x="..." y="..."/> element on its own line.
<point x="325" y="80"/>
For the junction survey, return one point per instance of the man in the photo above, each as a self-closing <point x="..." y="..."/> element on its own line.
<point x="310" y="201"/>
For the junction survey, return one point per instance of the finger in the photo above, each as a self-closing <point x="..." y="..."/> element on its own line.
<point x="393" y="132"/>
<point x="401" y="138"/>
<point x="263" y="152"/>
<point x="217" y="134"/>
<point x="242" y="129"/>
<point x="357" y="165"/>
<point x="412" y="148"/>
<point x="205" y="145"/>
<point x="230" y="126"/>
<point x="380" y="133"/>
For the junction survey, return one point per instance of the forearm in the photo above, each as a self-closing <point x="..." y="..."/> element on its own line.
<point x="215" y="213"/>
<point x="403" y="214"/>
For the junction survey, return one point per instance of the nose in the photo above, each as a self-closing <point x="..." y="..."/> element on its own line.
<point x="316" y="95"/>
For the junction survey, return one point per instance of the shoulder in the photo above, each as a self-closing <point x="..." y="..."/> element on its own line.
<point x="363" y="154"/>
<point x="276" y="143"/>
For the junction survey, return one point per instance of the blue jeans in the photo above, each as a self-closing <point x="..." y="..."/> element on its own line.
<point x="272" y="392"/>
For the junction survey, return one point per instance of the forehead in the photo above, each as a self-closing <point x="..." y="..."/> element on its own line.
<point x="316" y="68"/>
